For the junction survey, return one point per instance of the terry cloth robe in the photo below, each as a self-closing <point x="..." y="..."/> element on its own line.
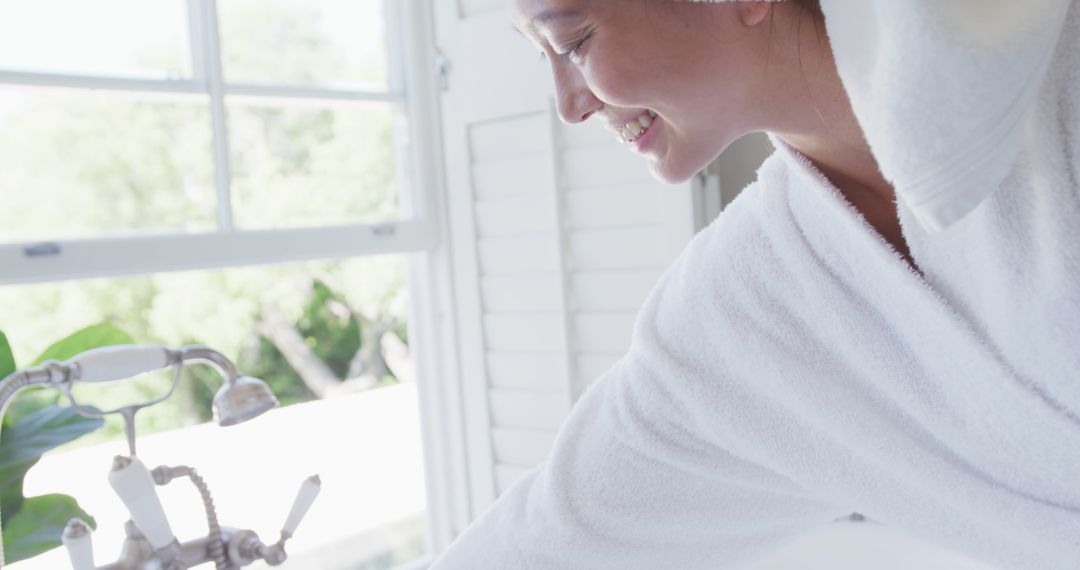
<point x="791" y="368"/>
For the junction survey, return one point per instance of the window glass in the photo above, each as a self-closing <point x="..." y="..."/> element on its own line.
<point x="331" y="43"/>
<point x="131" y="38"/>
<point x="327" y="337"/>
<point x="307" y="165"/>
<point x="80" y="163"/>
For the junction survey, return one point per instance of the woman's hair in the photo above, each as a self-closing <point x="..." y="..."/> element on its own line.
<point x="812" y="7"/>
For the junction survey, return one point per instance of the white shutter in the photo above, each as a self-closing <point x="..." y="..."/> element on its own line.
<point x="557" y="234"/>
<point x="624" y="229"/>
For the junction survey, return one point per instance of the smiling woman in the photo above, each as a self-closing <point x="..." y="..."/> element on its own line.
<point x="620" y="61"/>
<point x="702" y="76"/>
<point x="884" y="322"/>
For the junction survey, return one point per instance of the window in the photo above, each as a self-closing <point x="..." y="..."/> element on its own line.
<point x="238" y="173"/>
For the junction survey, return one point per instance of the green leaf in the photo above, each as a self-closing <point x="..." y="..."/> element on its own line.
<point x="7" y="366"/>
<point x="29" y="401"/>
<point x="11" y="495"/>
<point x="22" y="446"/>
<point x="94" y="336"/>
<point x="37" y="527"/>
<point x="42" y="431"/>
<point x="7" y="360"/>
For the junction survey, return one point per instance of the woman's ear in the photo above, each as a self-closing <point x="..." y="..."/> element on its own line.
<point x="752" y="13"/>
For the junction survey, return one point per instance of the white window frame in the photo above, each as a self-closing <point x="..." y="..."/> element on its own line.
<point x="226" y="246"/>
<point x="421" y="231"/>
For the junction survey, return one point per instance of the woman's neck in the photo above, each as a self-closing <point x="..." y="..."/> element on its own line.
<point x="855" y="175"/>
<point x="811" y="112"/>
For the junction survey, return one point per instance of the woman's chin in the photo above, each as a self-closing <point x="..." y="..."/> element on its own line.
<point x="678" y="167"/>
<point x="670" y="173"/>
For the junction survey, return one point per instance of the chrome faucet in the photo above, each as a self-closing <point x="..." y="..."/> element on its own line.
<point x="150" y="542"/>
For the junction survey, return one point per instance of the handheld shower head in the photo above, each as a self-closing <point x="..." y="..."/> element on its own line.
<point x="241" y="399"/>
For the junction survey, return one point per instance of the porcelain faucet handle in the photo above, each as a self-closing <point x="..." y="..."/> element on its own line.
<point x="309" y="489"/>
<point x="135" y="486"/>
<point x="80" y="547"/>
<point x="120" y="361"/>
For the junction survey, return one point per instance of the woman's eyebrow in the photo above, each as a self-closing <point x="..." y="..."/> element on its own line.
<point x="548" y="15"/>
<point x="551" y="15"/>
<point x="545" y="17"/>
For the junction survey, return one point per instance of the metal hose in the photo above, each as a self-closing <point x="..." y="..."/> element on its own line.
<point x="8" y="388"/>
<point x="215" y="546"/>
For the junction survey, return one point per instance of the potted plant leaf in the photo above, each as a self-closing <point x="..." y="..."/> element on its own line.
<point x="33" y="424"/>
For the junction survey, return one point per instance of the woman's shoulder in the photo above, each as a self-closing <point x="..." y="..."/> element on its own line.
<point x="730" y="233"/>
<point x="736" y="251"/>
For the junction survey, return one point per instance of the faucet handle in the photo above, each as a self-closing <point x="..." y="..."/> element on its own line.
<point x="80" y="546"/>
<point x="135" y="486"/>
<point x="120" y="361"/>
<point x="249" y="547"/>
<point x="309" y="489"/>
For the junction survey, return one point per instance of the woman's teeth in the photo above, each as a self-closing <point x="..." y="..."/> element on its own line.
<point x="633" y="130"/>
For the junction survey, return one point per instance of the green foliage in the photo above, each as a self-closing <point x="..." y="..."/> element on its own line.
<point x="402" y="331"/>
<point x="291" y="166"/>
<point x="7" y="360"/>
<point x="104" y="181"/>
<point x="102" y="334"/>
<point x="7" y="366"/>
<point x="37" y="527"/>
<point x="198" y="384"/>
<point x="264" y="361"/>
<point x="22" y="445"/>
<point x="33" y="525"/>
<point x="39" y="432"/>
<point x="330" y="328"/>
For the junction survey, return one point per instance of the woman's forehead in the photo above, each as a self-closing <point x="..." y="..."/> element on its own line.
<point x="532" y="14"/>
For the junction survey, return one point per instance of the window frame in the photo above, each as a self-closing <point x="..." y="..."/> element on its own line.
<point x="421" y="232"/>
<point x="141" y="253"/>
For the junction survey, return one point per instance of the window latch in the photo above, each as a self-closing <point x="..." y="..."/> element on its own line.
<point x="442" y="71"/>
<point x="43" y="249"/>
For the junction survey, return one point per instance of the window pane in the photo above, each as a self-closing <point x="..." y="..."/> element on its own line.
<point x="362" y="436"/>
<point x="304" y="166"/>
<point x="132" y="38"/>
<point x="76" y="163"/>
<point x="304" y="42"/>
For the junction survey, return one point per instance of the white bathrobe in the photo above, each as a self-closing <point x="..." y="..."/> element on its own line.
<point x="790" y="368"/>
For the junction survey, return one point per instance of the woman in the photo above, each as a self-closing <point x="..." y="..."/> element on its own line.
<point x="887" y="321"/>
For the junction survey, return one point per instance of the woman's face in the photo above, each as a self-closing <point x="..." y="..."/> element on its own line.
<point x="676" y="81"/>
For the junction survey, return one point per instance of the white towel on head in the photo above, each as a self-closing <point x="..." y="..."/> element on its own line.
<point x="943" y="90"/>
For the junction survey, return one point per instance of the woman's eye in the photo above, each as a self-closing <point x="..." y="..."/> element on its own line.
<point x="573" y="55"/>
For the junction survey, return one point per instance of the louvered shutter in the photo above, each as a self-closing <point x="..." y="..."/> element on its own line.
<point x="557" y="234"/>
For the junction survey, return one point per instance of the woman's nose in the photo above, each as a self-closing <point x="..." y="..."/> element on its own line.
<point x="573" y="98"/>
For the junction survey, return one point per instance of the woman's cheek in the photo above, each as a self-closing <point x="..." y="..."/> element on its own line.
<point x="612" y="83"/>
